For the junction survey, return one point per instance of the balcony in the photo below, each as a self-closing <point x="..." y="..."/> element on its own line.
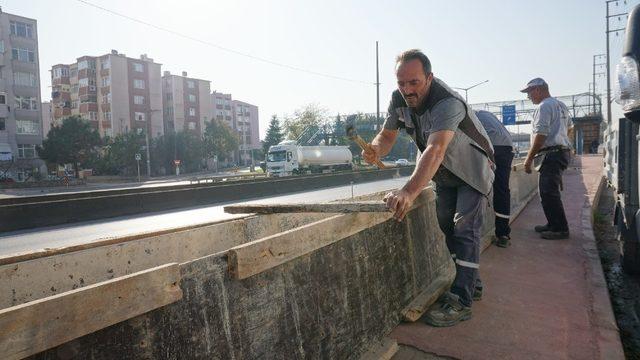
<point x="4" y="111"/>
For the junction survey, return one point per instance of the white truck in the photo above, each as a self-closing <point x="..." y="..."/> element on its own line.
<point x="622" y="140"/>
<point x="288" y="158"/>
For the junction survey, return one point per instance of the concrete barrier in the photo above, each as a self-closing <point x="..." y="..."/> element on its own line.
<point x="48" y="210"/>
<point x="332" y="302"/>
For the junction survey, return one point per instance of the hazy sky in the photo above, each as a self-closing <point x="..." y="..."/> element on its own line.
<point x="506" y="42"/>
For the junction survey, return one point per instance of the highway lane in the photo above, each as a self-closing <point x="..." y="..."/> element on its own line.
<point x="19" y="242"/>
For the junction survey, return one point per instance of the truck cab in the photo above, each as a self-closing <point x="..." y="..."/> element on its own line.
<point x="622" y="161"/>
<point x="282" y="160"/>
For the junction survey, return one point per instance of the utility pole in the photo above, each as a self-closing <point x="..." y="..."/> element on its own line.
<point x="377" y="90"/>
<point x="607" y="32"/>
<point x="598" y="56"/>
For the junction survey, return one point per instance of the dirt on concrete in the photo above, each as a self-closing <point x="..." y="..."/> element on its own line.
<point x="624" y="289"/>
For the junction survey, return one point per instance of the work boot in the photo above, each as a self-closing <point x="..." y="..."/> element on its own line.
<point x="541" y="228"/>
<point x="555" y="235"/>
<point x="503" y="241"/>
<point x="477" y="292"/>
<point x="447" y="313"/>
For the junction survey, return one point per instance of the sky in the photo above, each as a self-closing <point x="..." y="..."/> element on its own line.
<point x="333" y="41"/>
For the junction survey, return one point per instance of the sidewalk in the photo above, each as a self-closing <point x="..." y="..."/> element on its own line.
<point x="542" y="299"/>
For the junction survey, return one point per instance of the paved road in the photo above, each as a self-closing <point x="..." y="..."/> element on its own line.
<point x="86" y="232"/>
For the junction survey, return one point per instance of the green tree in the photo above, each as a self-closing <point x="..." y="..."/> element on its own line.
<point x="306" y="118"/>
<point x="184" y="146"/>
<point x="274" y="134"/>
<point x="118" y="155"/>
<point x="219" y="139"/>
<point x="72" y="142"/>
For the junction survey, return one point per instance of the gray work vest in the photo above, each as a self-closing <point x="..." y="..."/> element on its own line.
<point x="469" y="155"/>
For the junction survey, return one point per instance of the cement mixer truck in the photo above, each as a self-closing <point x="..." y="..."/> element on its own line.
<point x="288" y="158"/>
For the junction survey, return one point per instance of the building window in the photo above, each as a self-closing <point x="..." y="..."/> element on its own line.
<point x="73" y="73"/>
<point x="24" y="55"/>
<point x="24" y="79"/>
<point x="138" y="67"/>
<point x="140" y="116"/>
<point x="192" y="125"/>
<point x="84" y="64"/>
<point x="1" y="46"/>
<point x="26" y="127"/>
<point x="26" y="151"/>
<point x="3" y="124"/>
<point x="106" y="81"/>
<point x="21" y="29"/>
<point x="26" y="103"/>
<point x="192" y="111"/>
<point x="138" y="84"/>
<point x="83" y="82"/>
<point x="106" y="64"/>
<point x="3" y="99"/>
<point x="107" y="116"/>
<point x="60" y="72"/>
<point x="74" y="104"/>
<point x="191" y="84"/>
<point x="192" y="98"/>
<point x="138" y="100"/>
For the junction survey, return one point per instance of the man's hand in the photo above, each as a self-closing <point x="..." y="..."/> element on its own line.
<point x="371" y="154"/>
<point x="399" y="201"/>
<point x="527" y="165"/>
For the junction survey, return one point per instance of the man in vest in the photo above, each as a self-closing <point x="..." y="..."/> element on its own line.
<point x="503" y="152"/>
<point x="457" y="156"/>
<point x="551" y="150"/>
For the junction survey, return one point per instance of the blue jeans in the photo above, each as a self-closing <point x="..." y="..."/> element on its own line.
<point x="461" y="210"/>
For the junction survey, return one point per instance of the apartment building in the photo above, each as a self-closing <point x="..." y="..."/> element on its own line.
<point x="186" y="103"/>
<point x="47" y="118"/>
<point x="115" y="93"/>
<point x="20" y="116"/>
<point x="243" y="119"/>
<point x="247" y="126"/>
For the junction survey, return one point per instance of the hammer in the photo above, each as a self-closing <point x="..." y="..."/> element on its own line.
<point x="351" y="133"/>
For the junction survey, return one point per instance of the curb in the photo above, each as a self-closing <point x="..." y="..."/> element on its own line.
<point x="603" y="319"/>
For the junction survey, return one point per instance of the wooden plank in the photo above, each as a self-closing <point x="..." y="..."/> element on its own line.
<point x="35" y="326"/>
<point x="381" y="350"/>
<point x="257" y="256"/>
<point x="421" y="303"/>
<point x="332" y="207"/>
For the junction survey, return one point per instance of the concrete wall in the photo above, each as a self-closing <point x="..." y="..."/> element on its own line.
<point x="330" y="303"/>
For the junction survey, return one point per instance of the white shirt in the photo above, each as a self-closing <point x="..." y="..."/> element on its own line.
<point x="552" y="119"/>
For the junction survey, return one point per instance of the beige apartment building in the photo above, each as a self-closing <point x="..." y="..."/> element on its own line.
<point x="47" y="118"/>
<point x="243" y="119"/>
<point x="186" y="103"/>
<point x="115" y="93"/>
<point x="20" y="115"/>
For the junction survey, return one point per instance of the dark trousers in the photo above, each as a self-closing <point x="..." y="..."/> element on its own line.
<point x="501" y="191"/>
<point x="460" y="211"/>
<point x="550" y="183"/>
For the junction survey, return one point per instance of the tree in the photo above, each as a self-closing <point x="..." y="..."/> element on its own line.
<point x="306" y="118"/>
<point x="184" y="146"/>
<point x="219" y="139"/>
<point x="118" y="155"/>
<point x="274" y="134"/>
<point x="72" y="142"/>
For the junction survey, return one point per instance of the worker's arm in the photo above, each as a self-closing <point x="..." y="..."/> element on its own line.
<point x="380" y="146"/>
<point x="538" y="143"/>
<point x="400" y="201"/>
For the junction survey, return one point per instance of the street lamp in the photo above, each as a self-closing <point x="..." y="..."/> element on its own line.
<point x="466" y="99"/>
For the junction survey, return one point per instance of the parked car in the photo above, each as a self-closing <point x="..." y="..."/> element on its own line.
<point x="402" y="162"/>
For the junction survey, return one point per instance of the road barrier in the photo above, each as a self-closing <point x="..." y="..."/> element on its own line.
<point x="37" y="211"/>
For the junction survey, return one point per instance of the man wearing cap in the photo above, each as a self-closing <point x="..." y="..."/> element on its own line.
<point x="456" y="155"/>
<point x="503" y="151"/>
<point x="549" y="154"/>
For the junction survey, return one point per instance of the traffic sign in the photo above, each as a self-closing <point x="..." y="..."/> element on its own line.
<point x="138" y="157"/>
<point x="176" y="162"/>
<point x="508" y="114"/>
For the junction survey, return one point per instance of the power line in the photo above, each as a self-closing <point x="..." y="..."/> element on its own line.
<point x="219" y="47"/>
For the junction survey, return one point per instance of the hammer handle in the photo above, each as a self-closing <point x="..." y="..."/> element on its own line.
<point x="365" y="146"/>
